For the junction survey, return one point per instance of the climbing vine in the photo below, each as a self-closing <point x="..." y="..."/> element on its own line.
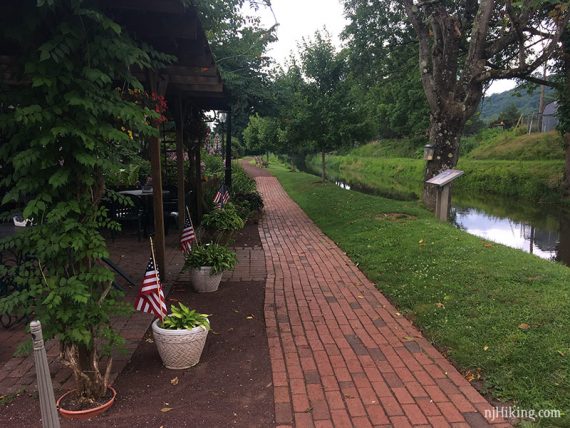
<point x="65" y="125"/>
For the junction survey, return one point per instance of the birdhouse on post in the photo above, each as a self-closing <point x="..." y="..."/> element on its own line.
<point x="443" y="182"/>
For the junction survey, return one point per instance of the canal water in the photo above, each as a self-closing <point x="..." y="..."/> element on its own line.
<point x="543" y="230"/>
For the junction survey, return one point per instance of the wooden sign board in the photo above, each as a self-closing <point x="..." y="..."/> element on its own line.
<point x="445" y="177"/>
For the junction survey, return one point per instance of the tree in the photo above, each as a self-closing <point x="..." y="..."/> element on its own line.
<point x="261" y="134"/>
<point x="385" y="74"/>
<point x="463" y="46"/>
<point x="67" y="126"/>
<point x="509" y="117"/>
<point x="239" y="43"/>
<point x="333" y="117"/>
<point x="564" y="105"/>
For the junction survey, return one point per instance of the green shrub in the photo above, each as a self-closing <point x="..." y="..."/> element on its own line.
<point x="252" y="200"/>
<point x="224" y="219"/>
<point x="241" y="182"/>
<point x="218" y="257"/>
<point x="214" y="165"/>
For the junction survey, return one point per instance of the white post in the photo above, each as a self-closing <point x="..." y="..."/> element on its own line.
<point x="48" y="408"/>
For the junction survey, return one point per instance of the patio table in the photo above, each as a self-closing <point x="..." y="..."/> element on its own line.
<point x="147" y="199"/>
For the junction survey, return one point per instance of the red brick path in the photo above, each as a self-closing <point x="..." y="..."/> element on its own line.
<point x="341" y="354"/>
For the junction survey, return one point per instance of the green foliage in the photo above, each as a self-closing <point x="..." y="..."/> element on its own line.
<point x="403" y="148"/>
<point x="403" y="178"/>
<point x="61" y="134"/>
<point x="241" y="182"/>
<point x="224" y="219"/>
<point x="239" y="43"/>
<point x="261" y="135"/>
<point x="184" y="318"/>
<point x="214" y="165"/>
<point x="218" y="257"/>
<point x="466" y="297"/>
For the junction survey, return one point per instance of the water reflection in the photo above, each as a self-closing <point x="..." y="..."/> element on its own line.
<point x="543" y="230"/>
<point x="523" y="236"/>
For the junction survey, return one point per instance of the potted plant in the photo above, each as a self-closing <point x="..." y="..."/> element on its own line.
<point x="180" y="337"/>
<point x="207" y="264"/>
<point x="221" y="224"/>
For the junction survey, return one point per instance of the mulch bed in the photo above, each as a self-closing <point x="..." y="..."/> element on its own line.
<point x="231" y="386"/>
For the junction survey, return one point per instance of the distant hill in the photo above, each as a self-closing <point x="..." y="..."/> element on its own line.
<point x="527" y="103"/>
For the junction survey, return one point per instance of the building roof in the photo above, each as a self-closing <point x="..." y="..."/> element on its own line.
<point x="169" y="27"/>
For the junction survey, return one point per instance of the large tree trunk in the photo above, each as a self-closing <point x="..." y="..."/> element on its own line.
<point x="444" y="135"/>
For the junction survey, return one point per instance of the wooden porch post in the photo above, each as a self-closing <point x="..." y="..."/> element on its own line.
<point x="180" y="163"/>
<point x="228" y="172"/>
<point x="156" y="174"/>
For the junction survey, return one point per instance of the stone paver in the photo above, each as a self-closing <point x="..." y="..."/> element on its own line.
<point x="341" y="354"/>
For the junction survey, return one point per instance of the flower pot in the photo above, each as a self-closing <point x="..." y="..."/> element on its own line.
<point x="179" y="349"/>
<point x="82" y="415"/>
<point x="203" y="282"/>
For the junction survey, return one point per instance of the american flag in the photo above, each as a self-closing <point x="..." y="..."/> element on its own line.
<point x="222" y="196"/>
<point x="151" y="297"/>
<point x="188" y="234"/>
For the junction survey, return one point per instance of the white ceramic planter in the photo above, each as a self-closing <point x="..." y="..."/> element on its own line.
<point x="179" y="349"/>
<point x="203" y="282"/>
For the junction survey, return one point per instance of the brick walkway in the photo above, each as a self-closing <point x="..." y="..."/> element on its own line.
<point x="341" y="354"/>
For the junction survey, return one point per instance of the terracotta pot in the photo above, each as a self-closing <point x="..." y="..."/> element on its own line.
<point x="82" y="415"/>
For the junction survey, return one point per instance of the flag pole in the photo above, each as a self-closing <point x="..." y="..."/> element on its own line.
<point x="192" y="224"/>
<point x="157" y="277"/>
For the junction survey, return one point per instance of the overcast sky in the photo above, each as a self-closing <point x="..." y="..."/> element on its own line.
<point x="301" y="18"/>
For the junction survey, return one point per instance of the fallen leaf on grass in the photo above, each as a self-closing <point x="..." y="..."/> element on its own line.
<point x="473" y="375"/>
<point x="166" y="409"/>
<point x="562" y="354"/>
<point x="487" y="245"/>
<point x="174" y="381"/>
<point x="485" y="348"/>
<point x="440" y="305"/>
<point x="524" y="326"/>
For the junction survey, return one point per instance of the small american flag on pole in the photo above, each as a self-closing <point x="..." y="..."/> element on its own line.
<point x="188" y="236"/>
<point x="151" y="297"/>
<point x="222" y="196"/>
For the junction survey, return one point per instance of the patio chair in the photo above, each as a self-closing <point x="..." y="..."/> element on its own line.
<point x="134" y="213"/>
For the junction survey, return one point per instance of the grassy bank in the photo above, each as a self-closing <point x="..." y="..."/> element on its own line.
<point x="473" y="299"/>
<point x="531" y="180"/>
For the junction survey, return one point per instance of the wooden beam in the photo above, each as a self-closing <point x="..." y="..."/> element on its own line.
<point x="180" y="162"/>
<point x="215" y="82"/>
<point x="161" y="6"/>
<point x="156" y="174"/>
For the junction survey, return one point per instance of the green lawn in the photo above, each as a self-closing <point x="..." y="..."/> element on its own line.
<point x="470" y="297"/>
